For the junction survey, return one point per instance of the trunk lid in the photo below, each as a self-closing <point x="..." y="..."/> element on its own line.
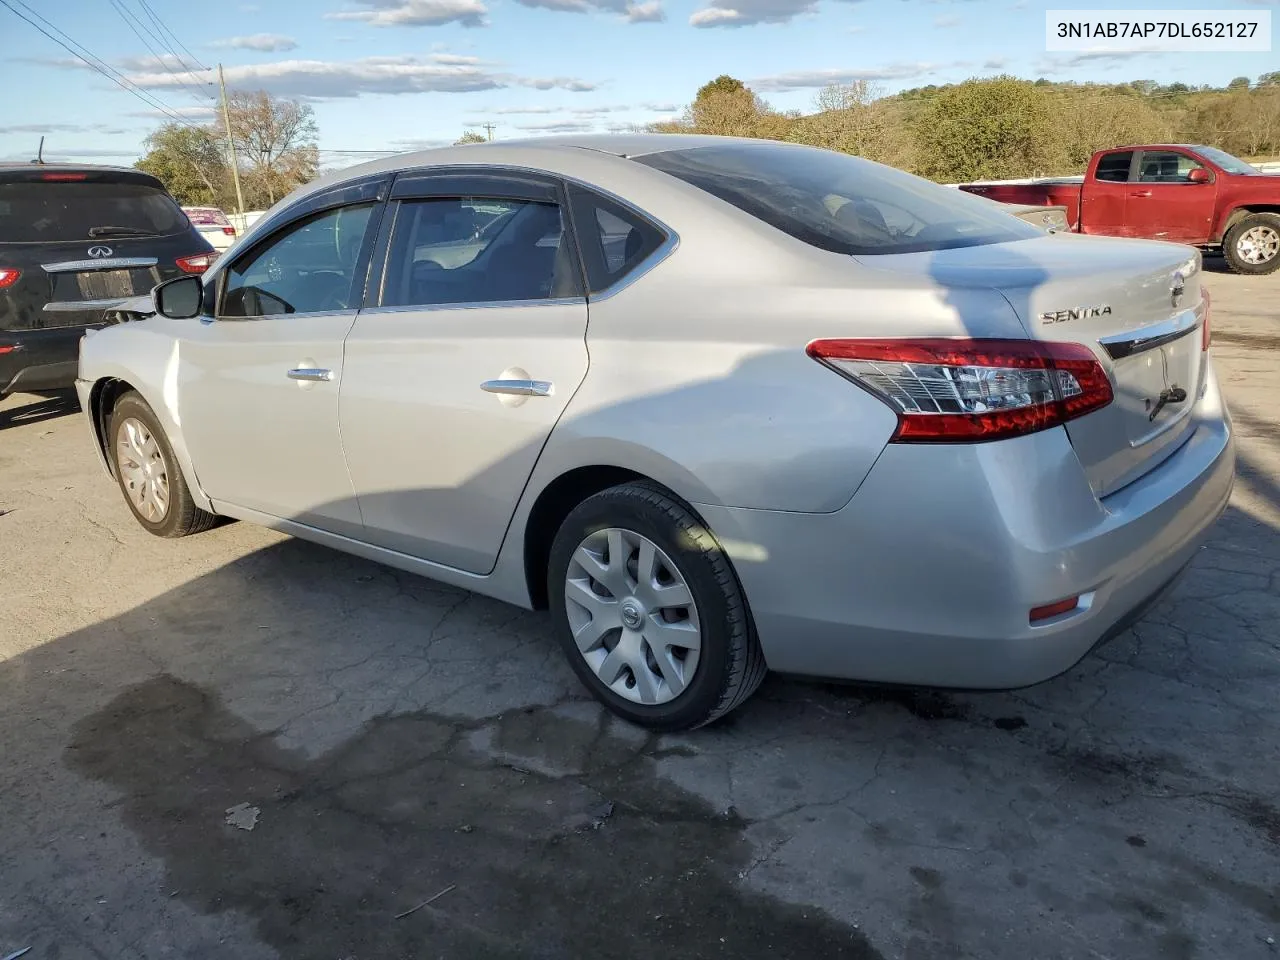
<point x="1117" y="298"/>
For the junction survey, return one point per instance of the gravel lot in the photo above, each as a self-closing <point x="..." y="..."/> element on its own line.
<point x="241" y="745"/>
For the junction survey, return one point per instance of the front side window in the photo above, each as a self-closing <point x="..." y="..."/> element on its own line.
<point x="839" y="202"/>
<point x="1114" y="167"/>
<point x="309" y="268"/>
<point x="1166" y="166"/>
<point x="478" y="250"/>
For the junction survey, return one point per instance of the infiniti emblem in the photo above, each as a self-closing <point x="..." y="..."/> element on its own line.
<point x="99" y="251"/>
<point x="1179" y="288"/>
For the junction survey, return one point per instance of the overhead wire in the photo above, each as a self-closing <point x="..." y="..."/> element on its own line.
<point x="164" y="28"/>
<point x="132" y="22"/>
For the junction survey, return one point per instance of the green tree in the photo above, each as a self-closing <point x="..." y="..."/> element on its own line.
<point x="1239" y="83"/>
<point x="190" y="161"/>
<point x="1002" y="127"/>
<point x="469" y="137"/>
<point x="1269" y="80"/>
<point x="721" y="84"/>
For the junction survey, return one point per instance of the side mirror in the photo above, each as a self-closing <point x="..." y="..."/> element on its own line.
<point x="179" y="299"/>
<point x="1199" y="175"/>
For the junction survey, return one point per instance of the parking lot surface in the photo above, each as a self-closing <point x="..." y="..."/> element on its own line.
<point x="242" y="745"/>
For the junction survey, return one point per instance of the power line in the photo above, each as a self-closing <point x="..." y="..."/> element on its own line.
<point x="155" y="18"/>
<point x="158" y="33"/>
<point x="92" y="61"/>
<point x="132" y="22"/>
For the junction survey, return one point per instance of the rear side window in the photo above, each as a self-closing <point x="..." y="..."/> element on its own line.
<point x="615" y="240"/>
<point x="47" y="212"/>
<point x="478" y="250"/>
<point x="839" y="202"/>
<point x="1115" y="166"/>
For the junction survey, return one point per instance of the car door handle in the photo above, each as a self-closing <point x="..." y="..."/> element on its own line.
<point x="311" y="374"/>
<point x="1140" y="193"/>
<point x="519" y="388"/>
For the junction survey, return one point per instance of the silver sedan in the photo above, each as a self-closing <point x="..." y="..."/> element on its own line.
<point x="720" y="406"/>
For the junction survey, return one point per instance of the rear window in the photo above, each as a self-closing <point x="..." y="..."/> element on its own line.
<point x="206" y="217"/>
<point x="43" y="212"/>
<point x="839" y="202"/>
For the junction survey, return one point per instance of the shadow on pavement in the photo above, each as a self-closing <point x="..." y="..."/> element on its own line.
<point x="40" y="408"/>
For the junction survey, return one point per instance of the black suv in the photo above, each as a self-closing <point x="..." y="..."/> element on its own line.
<point x="76" y="241"/>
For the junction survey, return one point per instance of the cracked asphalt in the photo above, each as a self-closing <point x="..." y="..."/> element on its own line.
<point x="391" y="741"/>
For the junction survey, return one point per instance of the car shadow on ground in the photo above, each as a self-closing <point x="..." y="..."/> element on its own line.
<point x="316" y="745"/>
<point x="32" y="408"/>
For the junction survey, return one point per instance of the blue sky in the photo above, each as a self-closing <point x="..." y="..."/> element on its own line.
<point x="398" y="74"/>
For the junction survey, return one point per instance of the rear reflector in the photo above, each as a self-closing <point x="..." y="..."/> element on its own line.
<point x="198" y="263"/>
<point x="959" y="390"/>
<point x="9" y="276"/>
<point x="64" y="177"/>
<point x="1206" y="334"/>
<point x="1051" y="610"/>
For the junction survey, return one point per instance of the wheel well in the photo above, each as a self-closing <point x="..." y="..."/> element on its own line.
<point x="102" y="399"/>
<point x="1239" y="213"/>
<point x="548" y="513"/>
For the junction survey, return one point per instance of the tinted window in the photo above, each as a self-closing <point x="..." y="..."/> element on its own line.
<point x="476" y="250"/>
<point x="1115" y="166"/>
<point x="1165" y="166"/>
<point x="310" y="267"/>
<point x="839" y="202"/>
<point x="1227" y="162"/>
<point x="42" y="212"/>
<point x="614" y="240"/>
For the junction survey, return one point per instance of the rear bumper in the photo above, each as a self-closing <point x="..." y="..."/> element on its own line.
<point x="929" y="574"/>
<point x="42" y="359"/>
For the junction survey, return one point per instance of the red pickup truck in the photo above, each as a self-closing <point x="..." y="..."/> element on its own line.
<point x="1195" y="195"/>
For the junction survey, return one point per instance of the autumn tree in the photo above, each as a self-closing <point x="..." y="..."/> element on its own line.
<point x="469" y="137"/>
<point x="191" y="162"/>
<point x="1001" y="127"/>
<point x="276" y="141"/>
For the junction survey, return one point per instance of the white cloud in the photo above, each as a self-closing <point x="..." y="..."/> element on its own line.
<point x="745" y="13"/>
<point x="564" y="126"/>
<point x="1103" y="58"/>
<point x="200" y="112"/>
<point x="649" y="12"/>
<point x="995" y="63"/>
<point x="816" y="79"/>
<point x="945" y="23"/>
<point x="646" y="11"/>
<point x="661" y="107"/>
<point x="416" y="13"/>
<point x="262" y="42"/>
<point x="326" y="80"/>
<point x="47" y="128"/>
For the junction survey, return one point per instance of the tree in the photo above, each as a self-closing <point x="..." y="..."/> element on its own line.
<point x="469" y="137"/>
<point x="1002" y="127"/>
<point x="721" y="84"/>
<point x="1269" y="80"/>
<point x="276" y="140"/>
<point x="1239" y="83"/>
<point x="191" y="163"/>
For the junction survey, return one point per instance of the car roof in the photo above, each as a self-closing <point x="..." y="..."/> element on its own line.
<point x="9" y="166"/>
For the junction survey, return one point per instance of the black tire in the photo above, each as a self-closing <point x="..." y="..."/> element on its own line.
<point x="182" y="517"/>
<point x="731" y="664"/>
<point x="1235" y="262"/>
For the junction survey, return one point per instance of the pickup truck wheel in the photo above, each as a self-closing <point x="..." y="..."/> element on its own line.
<point x="1252" y="245"/>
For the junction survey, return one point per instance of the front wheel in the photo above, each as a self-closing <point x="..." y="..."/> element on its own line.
<point x="148" y="473"/>
<point x="1252" y="245"/>
<point x="649" y="611"/>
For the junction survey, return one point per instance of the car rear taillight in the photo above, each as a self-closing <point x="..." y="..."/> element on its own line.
<point x="64" y="177"/>
<point x="229" y="231"/>
<point x="958" y="390"/>
<point x="198" y="263"/>
<point x="1206" y="334"/>
<point x="9" y="276"/>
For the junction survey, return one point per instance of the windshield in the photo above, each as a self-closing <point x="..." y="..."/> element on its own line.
<point x="839" y="202"/>
<point x="47" y="212"/>
<point x="1227" y="162"/>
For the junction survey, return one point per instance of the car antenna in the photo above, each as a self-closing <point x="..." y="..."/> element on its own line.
<point x="40" y="153"/>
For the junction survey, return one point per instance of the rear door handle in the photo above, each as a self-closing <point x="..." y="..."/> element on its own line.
<point x="311" y="374"/>
<point x="519" y="388"/>
<point x="1140" y="193"/>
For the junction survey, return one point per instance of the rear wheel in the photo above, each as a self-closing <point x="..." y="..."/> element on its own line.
<point x="649" y="611"/>
<point x="148" y="473"/>
<point x="1252" y="245"/>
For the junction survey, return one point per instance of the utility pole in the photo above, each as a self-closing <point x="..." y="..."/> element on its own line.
<point x="488" y="128"/>
<point x="235" y="164"/>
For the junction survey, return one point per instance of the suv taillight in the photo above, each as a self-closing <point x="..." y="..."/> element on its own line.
<point x="198" y="263"/>
<point x="9" y="276"/>
<point x="1206" y="334"/>
<point x="961" y="390"/>
<point x="229" y="231"/>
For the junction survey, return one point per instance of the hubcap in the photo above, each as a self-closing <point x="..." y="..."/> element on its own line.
<point x="632" y="615"/>
<point x="1258" y="244"/>
<point x="143" y="470"/>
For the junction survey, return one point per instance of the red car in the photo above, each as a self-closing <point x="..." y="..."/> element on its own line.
<point x="1195" y="195"/>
